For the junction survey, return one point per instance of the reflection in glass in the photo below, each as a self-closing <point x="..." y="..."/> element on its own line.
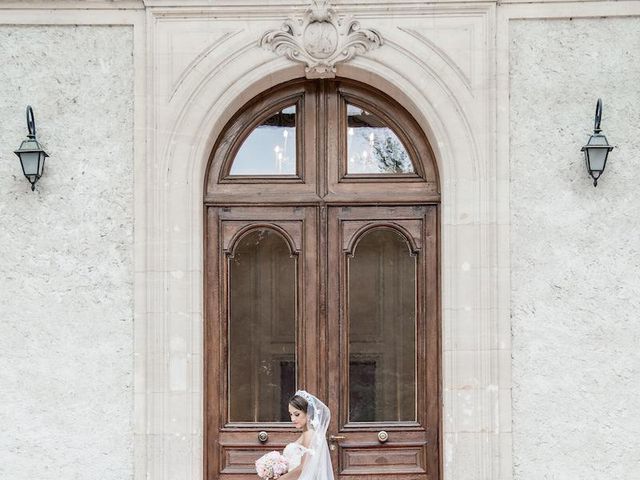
<point x="270" y="149"/>
<point x="262" y="326"/>
<point x="372" y="147"/>
<point x="382" y="329"/>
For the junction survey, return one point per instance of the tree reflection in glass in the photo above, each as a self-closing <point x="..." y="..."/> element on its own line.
<point x="372" y="147"/>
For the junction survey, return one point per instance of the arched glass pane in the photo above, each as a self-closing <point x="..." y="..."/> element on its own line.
<point x="372" y="147"/>
<point x="270" y="149"/>
<point x="382" y="329"/>
<point x="262" y="326"/>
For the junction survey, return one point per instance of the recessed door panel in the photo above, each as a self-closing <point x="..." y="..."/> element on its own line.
<point x="259" y="353"/>
<point x="383" y="341"/>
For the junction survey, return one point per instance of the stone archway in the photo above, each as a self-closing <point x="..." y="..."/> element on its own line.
<point x="192" y="100"/>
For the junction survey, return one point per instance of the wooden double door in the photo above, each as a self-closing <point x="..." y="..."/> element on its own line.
<point x="341" y="301"/>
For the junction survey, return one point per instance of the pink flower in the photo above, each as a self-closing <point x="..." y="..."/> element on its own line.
<point x="271" y="466"/>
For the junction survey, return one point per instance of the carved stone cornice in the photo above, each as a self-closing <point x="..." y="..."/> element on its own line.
<point x="321" y="39"/>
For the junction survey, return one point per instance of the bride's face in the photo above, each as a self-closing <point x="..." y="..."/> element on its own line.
<point x="298" y="417"/>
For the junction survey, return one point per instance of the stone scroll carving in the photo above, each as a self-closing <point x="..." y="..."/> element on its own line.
<point x="321" y="39"/>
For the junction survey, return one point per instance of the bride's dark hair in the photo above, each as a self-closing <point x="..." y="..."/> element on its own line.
<point x="299" y="403"/>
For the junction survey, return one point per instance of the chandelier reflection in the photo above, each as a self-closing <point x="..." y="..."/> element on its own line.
<point x="281" y="154"/>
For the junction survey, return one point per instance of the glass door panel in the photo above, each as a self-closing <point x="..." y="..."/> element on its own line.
<point x="262" y="327"/>
<point x="382" y="328"/>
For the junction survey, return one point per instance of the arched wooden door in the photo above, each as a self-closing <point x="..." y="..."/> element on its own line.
<point x="321" y="249"/>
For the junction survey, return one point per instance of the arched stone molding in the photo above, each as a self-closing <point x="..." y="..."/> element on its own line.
<point x="457" y="116"/>
<point x="206" y="111"/>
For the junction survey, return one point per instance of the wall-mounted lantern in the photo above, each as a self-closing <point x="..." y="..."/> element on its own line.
<point x="597" y="148"/>
<point x="31" y="153"/>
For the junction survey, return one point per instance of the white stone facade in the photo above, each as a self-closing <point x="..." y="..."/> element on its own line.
<point x="102" y="289"/>
<point x="66" y="254"/>
<point x="575" y="251"/>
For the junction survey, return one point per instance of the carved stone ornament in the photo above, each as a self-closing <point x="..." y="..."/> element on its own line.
<point x="321" y="39"/>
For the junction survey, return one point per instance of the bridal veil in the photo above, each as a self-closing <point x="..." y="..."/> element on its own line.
<point x="317" y="464"/>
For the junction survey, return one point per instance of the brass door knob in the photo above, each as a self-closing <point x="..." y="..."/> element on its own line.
<point x="263" y="436"/>
<point x="383" y="436"/>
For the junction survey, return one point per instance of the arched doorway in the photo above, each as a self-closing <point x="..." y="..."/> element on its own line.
<point x="321" y="251"/>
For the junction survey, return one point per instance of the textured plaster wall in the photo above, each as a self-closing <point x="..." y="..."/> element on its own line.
<point x="575" y="251"/>
<point x="66" y="252"/>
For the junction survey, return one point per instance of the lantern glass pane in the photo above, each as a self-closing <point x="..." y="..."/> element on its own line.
<point x="41" y="163"/>
<point x="30" y="162"/>
<point x="597" y="156"/>
<point x="598" y="140"/>
<point x="30" y="144"/>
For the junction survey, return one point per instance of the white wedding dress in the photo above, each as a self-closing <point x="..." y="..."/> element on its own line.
<point x="293" y="452"/>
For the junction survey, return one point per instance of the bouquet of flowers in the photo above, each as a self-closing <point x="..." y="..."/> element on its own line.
<point x="271" y="465"/>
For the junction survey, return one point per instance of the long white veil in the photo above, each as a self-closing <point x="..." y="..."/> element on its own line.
<point x="317" y="464"/>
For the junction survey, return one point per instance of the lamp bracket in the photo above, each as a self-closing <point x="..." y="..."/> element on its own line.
<point x="31" y="122"/>
<point x="598" y="118"/>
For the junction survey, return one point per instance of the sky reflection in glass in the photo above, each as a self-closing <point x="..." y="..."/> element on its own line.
<point x="270" y="149"/>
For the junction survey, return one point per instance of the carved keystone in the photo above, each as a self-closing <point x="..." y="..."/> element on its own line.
<point x="321" y="39"/>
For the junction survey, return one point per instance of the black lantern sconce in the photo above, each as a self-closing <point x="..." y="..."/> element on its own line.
<point x="597" y="148"/>
<point x="31" y="153"/>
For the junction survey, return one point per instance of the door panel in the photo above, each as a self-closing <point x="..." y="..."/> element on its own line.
<point x="341" y="301"/>
<point x="383" y="348"/>
<point x="264" y="261"/>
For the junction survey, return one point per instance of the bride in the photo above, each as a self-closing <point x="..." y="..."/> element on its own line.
<point x="308" y="456"/>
